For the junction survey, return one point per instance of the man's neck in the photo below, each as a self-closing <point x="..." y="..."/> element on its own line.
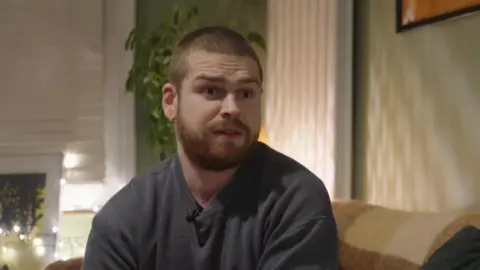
<point x="203" y="184"/>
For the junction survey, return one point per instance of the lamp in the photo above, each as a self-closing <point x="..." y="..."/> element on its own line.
<point x="262" y="137"/>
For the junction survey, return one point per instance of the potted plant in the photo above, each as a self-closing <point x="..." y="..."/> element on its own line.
<point x="149" y="71"/>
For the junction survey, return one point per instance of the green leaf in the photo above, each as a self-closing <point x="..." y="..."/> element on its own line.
<point x="166" y="52"/>
<point x="256" y="39"/>
<point x="166" y="60"/>
<point x="192" y="12"/>
<point x="129" y="84"/>
<point x="130" y="43"/>
<point x="176" y="16"/>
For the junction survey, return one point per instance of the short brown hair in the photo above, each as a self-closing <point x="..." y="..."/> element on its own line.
<point x="216" y="39"/>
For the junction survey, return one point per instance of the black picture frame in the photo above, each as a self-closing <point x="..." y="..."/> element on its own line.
<point x="20" y="199"/>
<point x="401" y="27"/>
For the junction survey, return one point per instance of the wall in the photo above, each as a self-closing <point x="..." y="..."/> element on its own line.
<point x="73" y="236"/>
<point x="417" y="106"/>
<point x="238" y="14"/>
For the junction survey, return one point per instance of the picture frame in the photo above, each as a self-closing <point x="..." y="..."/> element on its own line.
<point x="415" y="13"/>
<point x="52" y="166"/>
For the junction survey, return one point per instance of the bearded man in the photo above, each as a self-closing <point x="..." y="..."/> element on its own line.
<point x="225" y="201"/>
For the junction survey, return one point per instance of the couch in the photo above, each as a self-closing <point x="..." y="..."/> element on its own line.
<point x="373" y="237"/>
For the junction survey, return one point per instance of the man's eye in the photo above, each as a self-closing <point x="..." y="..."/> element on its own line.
<point x="211" y="91"/>
<point x="245" y="94"/>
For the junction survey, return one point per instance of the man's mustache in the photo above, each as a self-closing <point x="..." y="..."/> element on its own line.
<point x="232" y="123"/>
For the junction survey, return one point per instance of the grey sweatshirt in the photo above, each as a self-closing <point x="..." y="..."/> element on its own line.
<point x="273" y="214"/>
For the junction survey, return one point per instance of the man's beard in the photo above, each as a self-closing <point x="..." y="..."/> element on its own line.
<point x="210" y="153"/>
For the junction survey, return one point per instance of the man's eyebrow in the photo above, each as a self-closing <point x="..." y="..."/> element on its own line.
<point x="213" y="78"/>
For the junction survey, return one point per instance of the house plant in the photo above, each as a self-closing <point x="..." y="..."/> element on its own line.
<point x="149" y="72"/>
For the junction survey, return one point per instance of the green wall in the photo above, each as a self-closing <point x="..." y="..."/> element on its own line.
<point x="417" y="108"/>
<point x="239" y="14"/>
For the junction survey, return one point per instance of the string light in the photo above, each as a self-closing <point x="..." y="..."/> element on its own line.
<point x="72" y="160"/>
<point x="20" y="249"/>
<point x="37" y="242"/>
<point x="40" y="251"/>
<point x="71" y="247"/>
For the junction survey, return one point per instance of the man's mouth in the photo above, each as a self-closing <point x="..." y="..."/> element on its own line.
<point x="227" y="132"/>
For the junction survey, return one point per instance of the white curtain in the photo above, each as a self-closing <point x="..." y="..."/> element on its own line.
<point x="303" y="93"/>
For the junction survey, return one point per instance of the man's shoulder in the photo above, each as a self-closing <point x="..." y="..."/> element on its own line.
<point x="132" y="201"/>
<point x="293" y="184"/>
<point x="290" y="173"/>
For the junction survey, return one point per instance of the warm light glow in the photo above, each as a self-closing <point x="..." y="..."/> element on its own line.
<point x="37" y="242"/>
<point x="63" y="181"/>
<point x="16" y="228"/>
<point x="71" y="248"/>
<point x="9" y="253"/>
<point x="71" y="160"/>
<point x="40" y="251"/>
<point x="263" y="135"/>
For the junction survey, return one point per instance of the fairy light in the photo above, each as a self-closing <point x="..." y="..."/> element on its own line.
<point x="37" y="242"/>
<point x="18" y="246"/>
<point x="71" y="247"/>
<point x="40" y="251"/>
<point x="71" y="160"/>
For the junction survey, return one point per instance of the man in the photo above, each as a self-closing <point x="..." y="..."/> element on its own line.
<point x="225" y="201"/>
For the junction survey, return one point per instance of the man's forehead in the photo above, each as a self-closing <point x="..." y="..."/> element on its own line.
<point x="223" y="78"/>
<point x="217" y="66"/>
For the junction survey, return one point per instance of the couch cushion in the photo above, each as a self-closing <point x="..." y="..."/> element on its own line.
<point x="400" y="234"/>
<point x="462" y="251"/>
<point x="352" y="258"/>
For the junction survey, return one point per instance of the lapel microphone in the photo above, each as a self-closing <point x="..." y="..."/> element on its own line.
<point x="192" y="216"/>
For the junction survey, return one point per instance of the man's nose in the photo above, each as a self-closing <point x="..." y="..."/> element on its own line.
<point x="229" y="106"/>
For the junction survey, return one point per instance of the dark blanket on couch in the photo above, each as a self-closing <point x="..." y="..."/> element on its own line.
<point x="461" y="252"/>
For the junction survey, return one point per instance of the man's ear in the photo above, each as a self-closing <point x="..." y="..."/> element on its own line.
<point x="170" y="101"/>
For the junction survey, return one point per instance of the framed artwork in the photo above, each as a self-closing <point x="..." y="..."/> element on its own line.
<point x="415" y="13"/>
<point x="22" y="199"/>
